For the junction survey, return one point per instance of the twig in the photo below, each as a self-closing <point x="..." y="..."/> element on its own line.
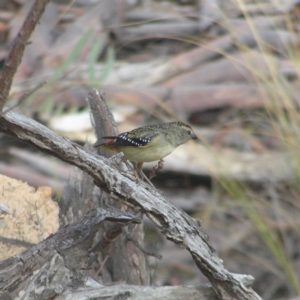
<point x="23" y="98"/>
<point x="17" y="49"/>
<point x="108" y="237"/>
<point x="137" y="244"/>
<point x="104" y="260"/>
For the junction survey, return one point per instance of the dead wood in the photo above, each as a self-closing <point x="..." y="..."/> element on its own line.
<point x="124" y="261"/>
<point x="17" y="49"/>
<point x="184" y="100"/>
<point x="172" y="222"/>
<point x="62" y="258"/>
<point x="159" y="30"/>
<point x="226" y="163"/>
<point x="45" y="270"/>
<point x="133" y="292"/>
<point x="246" y="66"/>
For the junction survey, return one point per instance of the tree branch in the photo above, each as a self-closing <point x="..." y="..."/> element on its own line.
<point x="60" y="257"/>
<point x="134" y="292"/>
<point x="172" y="222"/>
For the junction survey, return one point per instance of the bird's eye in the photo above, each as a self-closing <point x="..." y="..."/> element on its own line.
<point x="190" y="131"/>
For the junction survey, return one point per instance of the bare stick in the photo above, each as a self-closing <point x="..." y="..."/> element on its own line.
<point x="138" y="245"/>
<point x="23" y="98"/>
<point x="17" y="49"/>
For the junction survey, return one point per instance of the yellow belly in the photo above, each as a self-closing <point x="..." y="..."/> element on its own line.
<point x="146" y="155"/>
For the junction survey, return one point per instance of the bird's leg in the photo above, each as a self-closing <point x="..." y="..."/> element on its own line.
<point x="140" y="172"/>
<point x="156" y="168"/>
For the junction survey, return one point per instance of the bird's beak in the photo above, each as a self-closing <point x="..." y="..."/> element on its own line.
<point x="194" y="137"/>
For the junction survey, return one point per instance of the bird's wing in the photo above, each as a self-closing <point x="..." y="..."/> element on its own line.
<point x="129" y="139"/>
<point x="139" y="138"/>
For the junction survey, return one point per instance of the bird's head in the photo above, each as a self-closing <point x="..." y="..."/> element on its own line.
<point x="183" y="133"/>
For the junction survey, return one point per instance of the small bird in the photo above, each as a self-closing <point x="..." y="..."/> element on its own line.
<point x="149" y="143"/>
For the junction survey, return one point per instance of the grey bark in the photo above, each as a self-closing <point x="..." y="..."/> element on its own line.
<point x="62" y="260"/>
<point x="122" y="186"/>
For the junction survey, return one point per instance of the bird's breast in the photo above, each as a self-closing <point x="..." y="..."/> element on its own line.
<point x="138" y="154"/>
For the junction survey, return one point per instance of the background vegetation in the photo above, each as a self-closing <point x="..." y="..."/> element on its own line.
<point x="229" y="69"/>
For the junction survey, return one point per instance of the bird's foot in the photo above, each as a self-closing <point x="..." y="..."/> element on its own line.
<point x="156" y="168"/>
